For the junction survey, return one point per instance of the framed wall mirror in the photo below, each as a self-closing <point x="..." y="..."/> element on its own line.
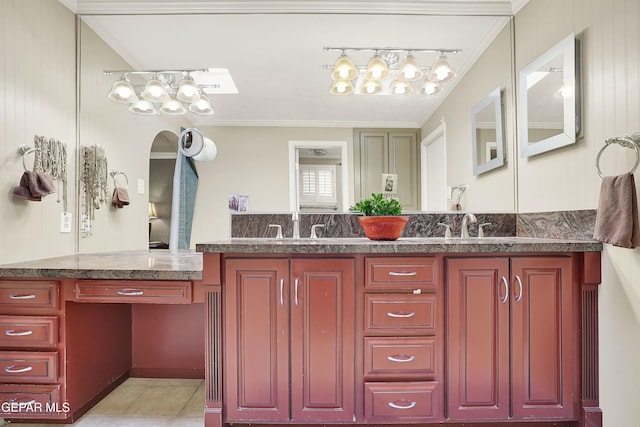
<point x="487" y="135"/>
<point x="548" y="114"/>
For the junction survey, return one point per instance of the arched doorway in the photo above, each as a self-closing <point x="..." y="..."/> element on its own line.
<point x="162" y="160"/>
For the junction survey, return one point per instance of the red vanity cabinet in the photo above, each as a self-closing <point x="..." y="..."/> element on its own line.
<point x="403" y="340"/>
<point x="30" y="349"/>
<point x="512" y="335"/>
<point x="289" y="340"/>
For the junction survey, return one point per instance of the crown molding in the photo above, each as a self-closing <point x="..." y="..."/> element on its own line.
<point x="203" y="121"/>
<point x="417" y="7"/>
<point x="517" y="5"/>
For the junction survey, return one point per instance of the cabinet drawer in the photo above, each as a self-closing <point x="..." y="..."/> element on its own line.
<point x="28" y="367"/>
<point x="401" y="273"/>
<point x="400" y="314"/>
<point x="28" y="400"/>
<point x="414" y="401"/>
<point x="162" y="292"/>
<point x="400" y="357"/>
<point x="29" y="293"/>
<point x="28" y="331"/>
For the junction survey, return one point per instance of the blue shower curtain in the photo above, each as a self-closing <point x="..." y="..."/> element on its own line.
<point x="185" y="185"/>
<point x="188" y="188"/>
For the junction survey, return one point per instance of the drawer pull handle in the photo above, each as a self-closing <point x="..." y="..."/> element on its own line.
<point x="14" y="333"/>
<point x="400" y="406"/>
<point x="401" y="358"/>
<point x="22" y="296"/>
<point x="506" y="290"/>
<point x="17" y="370"/>
<point x="519" y="297"/>
<point x="130" y="292"/>
<point x="403" y="273"/>
<point x="281" y="291"/>
<point x="401" y="315"/>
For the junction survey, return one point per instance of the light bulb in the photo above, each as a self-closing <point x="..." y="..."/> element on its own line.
<point x="341" y="87"/>
<point x="409" y="74"/>
<point x="124" y="91"/>
<point x="442" y="73"/>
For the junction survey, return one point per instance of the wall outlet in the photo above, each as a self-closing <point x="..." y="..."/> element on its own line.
<point x="140" y="186"/>
<point x="65" y="222"/>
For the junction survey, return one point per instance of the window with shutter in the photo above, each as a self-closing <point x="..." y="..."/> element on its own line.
<point x="318" y="186"/>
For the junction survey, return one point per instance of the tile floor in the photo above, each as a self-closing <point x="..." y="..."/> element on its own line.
<point x="146" y="402"/>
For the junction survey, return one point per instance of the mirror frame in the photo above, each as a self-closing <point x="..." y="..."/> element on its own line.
<point x="493" y="99"/>
<point x="567" y="50"/>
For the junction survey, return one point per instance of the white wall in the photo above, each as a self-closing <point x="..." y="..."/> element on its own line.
<point x="37" y="87"/>
<point x="492" y="191"/>
<point x="252" y="161"/>
<point x="37" y="97"/>
<point x="566" y="179"/>
<point x="127" y="140"/>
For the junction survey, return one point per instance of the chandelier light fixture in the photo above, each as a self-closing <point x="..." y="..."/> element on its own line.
<point x="385" y="72"/>
<point x="161" y="91"/>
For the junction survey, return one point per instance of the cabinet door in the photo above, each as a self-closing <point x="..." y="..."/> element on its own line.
<point x="542" y="338"/>
<point x="403" y="161"/>
<point x="478" y="323"/>
<point x="373" y="158"/>
<point x="322" y="340"/>
<point x="256" y="340"/>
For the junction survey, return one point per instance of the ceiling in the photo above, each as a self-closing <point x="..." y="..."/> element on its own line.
<point x="274" y="51"/>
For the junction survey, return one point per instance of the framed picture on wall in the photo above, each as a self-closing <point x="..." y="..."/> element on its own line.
<point x="389" y="183"/>
<point x="238" y="202"/>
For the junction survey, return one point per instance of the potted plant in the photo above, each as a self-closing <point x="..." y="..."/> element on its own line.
<point x="381" y="218"/>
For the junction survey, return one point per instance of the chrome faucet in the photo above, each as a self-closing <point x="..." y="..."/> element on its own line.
<point x="296" y="225"/>
<point x="464" y="229"/>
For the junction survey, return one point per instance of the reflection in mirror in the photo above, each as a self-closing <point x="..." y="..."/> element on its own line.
<point x="548" y="88"/>
<point x="161" y="166"/>
<point x="487" y="136"/>
<point x="318" y="176"/>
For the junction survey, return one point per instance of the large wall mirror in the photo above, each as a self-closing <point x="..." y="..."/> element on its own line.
<point x="548" y="89"/>
<point x="487" y="133"/>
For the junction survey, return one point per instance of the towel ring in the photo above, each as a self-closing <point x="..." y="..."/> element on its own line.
<point x="26" y="150"/>
<point x="623" y="141"/>
<point x="114" y="175"/>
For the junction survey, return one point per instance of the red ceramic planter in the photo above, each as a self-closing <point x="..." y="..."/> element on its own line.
<point x="383" y="227"/>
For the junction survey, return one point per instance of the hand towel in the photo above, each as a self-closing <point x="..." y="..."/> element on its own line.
<point x="43" y="185"/>
<point x="23" y="190"/>
<point x="617" y="216"/>
<point x="120" y="197"/>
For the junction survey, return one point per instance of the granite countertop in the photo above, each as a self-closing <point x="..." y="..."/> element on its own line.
<point x="187" y="265"/>
<point x="134" y="265"/>
<point x="409" y="245"/>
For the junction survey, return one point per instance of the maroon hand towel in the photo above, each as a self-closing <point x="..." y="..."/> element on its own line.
<point x="23" y="191"/>
<point x="43" y="185"/>
<point x="120" y="197"/>
<point x="617" y="216"/>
